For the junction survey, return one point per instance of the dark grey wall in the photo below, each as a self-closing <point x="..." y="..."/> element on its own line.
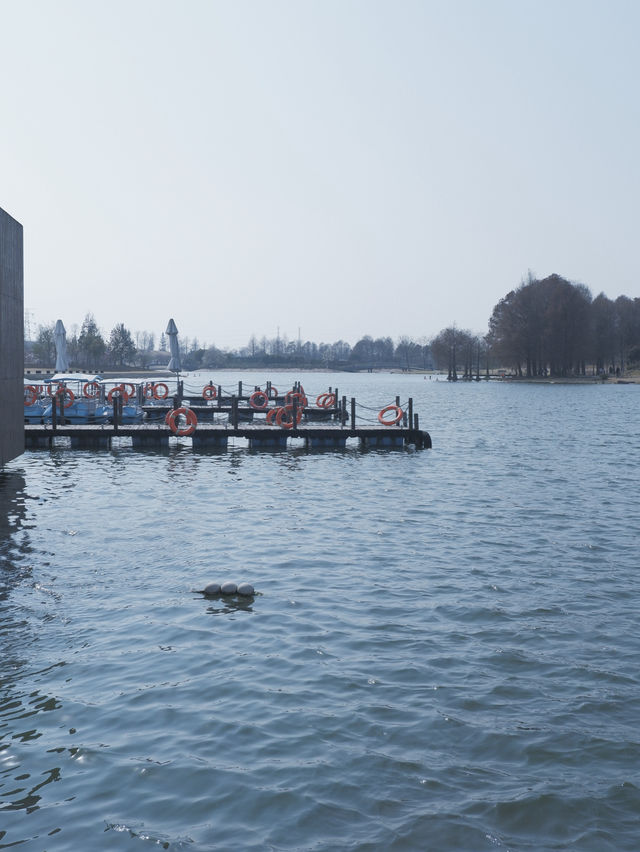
<point x="11" y="339"/>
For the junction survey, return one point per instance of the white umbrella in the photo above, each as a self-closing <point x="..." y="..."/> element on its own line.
<point x="174" y="347"/>
<point x="60" y="336"/>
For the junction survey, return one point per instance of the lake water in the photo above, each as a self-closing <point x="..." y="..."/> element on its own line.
<point x="442" y="653"/>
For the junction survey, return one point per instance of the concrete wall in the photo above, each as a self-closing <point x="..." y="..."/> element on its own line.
<point x="11" y="339"/>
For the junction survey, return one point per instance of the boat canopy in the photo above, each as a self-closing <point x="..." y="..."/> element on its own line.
<point x="74" y="377"/>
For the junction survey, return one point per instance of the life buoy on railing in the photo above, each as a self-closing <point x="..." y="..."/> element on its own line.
<point x="66" y="393"/>
<point x="119" y="389"/>
<point x="209" y="392"/>
<point x="299" y="396"/>
<point x="326" y="400"/>
<point x="157" y="391"/>
<point x="131" y="392"/>
<point x="259" y="400"/>
<point x="30" y="394"/>
<point x="272" y="392"/>
<point x="88" y="387"/>
<point x="190" y="417"/>
<point x="397" y="417"/>
<point x="284" y="417"/>
<point x="271" y="414"/>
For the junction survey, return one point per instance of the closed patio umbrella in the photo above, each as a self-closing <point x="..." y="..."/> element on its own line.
<point x="174" y="347"/>
<point x="60" y="337"/>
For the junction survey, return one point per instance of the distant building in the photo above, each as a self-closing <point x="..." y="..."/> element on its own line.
<point x="11" y="339"/>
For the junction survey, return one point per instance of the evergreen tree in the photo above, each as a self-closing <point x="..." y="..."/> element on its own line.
<point x="91" y="345"/>
<point x="122" y="349"/>
<point x="44" y="347"/>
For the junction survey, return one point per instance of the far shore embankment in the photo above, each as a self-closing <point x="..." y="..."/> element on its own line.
<point x="631" y="377"/>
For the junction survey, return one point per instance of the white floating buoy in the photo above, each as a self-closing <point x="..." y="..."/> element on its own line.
<point x="245" y="589"/>
<point x="228" y="589"/>
<point x="211" y="589"/>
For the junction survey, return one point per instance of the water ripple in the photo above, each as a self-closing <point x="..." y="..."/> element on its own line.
<point x="442" y="653"/>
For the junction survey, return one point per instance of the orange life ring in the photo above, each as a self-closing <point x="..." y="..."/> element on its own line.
<point x="189" y="414"/>
<point x="66" y="392"/>
<point x="397" y="417"/>
<point x="271" y="413"/>
<point x="126" y="385"/>
<point x="30" y="394"/>
<point x="156" y="391"/>
<point x="88" y="386"/>
<point x="326" y="400"/>
<point x="299" y="396"/>
<point x="209" y="392"/>
<point x="284" y="417"/>
<point x="121" y="391"/>
<point x="259" y="400"/>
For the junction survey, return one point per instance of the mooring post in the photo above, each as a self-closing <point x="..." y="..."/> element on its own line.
<point x="180" y="391"/>
<point x="294" y="425"/>
<point x="398" y="405"/>
<point x="416" y="422"/>
<point x="219" y="395"/>
<point x="234" y="411"/>
<point x="353" y="413"/>
<point x="336" y="405"/>
<point x="410" y="411"/>
<point x="115" y="414"/>
<point x="240" y="390"/>
<point x="54" y="412"/>
<point x="343" y="415"/>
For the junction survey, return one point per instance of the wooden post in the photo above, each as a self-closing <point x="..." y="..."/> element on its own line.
<point x="54" y="412"/>
<point x="410" y="412"/>
<point x="219" y="395"/>
<point x="416" y="421"/>
<point x="343" y="414"/>
<point x="398" y="404"/>
<point x="353" y="413"/>
<point x="240" y="390"/>
<point x="115" y="414"/>
<point x="234" y="411"/>
<point x="294" y="426"/>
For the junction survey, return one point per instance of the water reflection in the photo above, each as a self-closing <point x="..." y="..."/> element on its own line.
<point x="22" y="774"/>
<point x="25" y="768"/>
<point x="225" y="604"/>
<point x="12" y="514"/>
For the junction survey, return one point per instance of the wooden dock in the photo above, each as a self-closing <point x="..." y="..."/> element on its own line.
<point x="211" y="424"/>
<point x="213" y="436"/>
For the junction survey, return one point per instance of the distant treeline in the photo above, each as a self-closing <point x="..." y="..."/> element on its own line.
<point x="88" y="349"/>
<point x="547" y="327"/>
<point x="553" y="327"/>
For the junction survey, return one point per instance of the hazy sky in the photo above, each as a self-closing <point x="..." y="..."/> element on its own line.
<point x="342" y="167"/>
